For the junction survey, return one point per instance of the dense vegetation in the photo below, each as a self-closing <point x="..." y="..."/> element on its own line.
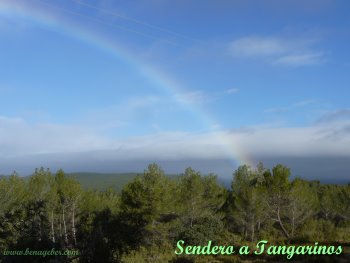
<point x="143" y="222"/>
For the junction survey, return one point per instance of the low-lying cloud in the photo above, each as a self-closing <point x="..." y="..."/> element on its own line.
<point x="40" y="144"/>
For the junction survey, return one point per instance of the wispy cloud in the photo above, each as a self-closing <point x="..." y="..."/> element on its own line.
<point x="304" y="103"/>
<point x="334" y="116"/>
<point x="193" y="97"/>
<point x="120" y="115"/>
<point x="10" y="12"/>
<point x="232" y="91"/>
<point x="278" y="50"/>
<point x="277" y="110"/>
<point x="301" y="59"/>
<point x="296" y="105"/>
<point x="257" y="46"/>
<point x="203" y="97"/>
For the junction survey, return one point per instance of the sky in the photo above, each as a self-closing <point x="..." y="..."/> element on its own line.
<point x="86" y="85"/>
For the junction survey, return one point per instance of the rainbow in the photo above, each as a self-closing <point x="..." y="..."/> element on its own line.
<point x="40" y="17"/>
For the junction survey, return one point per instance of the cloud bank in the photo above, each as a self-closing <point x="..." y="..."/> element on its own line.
<point x="41" y="144"/>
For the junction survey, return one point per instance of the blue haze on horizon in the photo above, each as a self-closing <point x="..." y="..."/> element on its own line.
<point x="173" y="80"/>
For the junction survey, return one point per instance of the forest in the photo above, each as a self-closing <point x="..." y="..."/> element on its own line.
<point x="143" y="221"/>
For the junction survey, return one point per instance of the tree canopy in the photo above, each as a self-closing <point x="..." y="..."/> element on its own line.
<point x="143" y="222"/>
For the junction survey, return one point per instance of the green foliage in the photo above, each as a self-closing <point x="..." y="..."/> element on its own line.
<point x="303" y="205"/>
<point x="12" y="210"/>
<point x="145" y="197"/>
<point x="151" y="254"/>
<point x="247" y="208"/>
<point x="201" y="198"/>
<point x="320" y="230"/>
<point x="203" y="229"/>
<point x="143" y="221"/>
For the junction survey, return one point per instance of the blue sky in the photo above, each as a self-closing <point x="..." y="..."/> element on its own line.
<point x="174" y="79"/>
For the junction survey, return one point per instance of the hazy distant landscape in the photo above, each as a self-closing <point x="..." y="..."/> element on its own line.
<point x="325" y="169"/>
<point x="116" y="181"/>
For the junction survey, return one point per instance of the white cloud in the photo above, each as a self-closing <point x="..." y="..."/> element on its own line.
<point x="257" y="46"/>
<point x="192" y="97"/>
<point x="277" y="110"/>
<point x="10" y="12"/>
<point x="278" y="50"/>
<point x="232" y="91"/>
<point x="301" y="59"/>
<point x="296" y="105"/>
<point x="304" y="103"/>
<point x="18" y="138"/>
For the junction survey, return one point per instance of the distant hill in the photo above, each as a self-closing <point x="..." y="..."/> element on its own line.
<point x="102" y="181"/>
